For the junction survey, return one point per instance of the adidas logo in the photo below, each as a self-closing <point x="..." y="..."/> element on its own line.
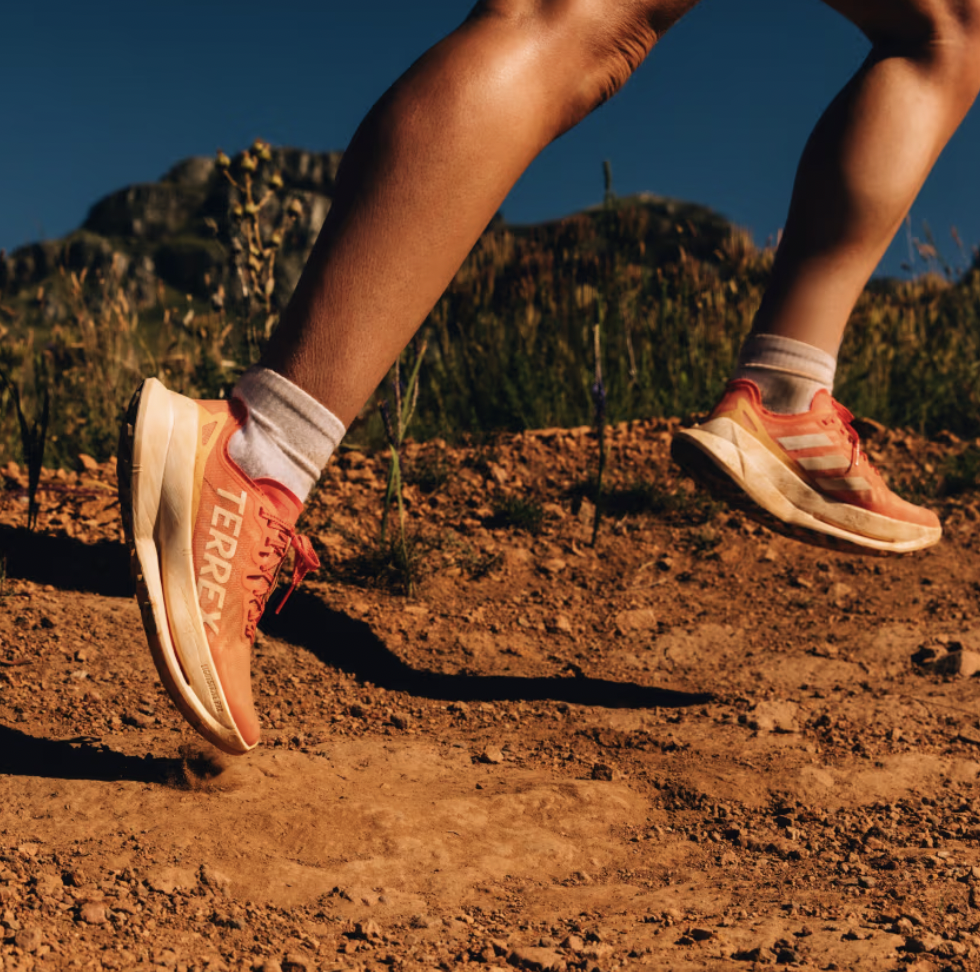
<point x="825" y="463"/>
<point x="215" y="569"/>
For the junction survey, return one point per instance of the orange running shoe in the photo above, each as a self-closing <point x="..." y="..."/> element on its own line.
<point x="807" y="471"/>
<point x="207" y="544"/>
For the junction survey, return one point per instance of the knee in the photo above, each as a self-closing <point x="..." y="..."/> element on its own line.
<point x="599" y="43"/>
<point x="942" y="35"/>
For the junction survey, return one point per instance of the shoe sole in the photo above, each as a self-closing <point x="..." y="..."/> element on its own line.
<point x="144" y="452"/>
<point x="740" y="470"/>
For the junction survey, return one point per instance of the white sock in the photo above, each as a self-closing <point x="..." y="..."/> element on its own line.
<point x="288" y="436"/>
<point x="788" y="372"/>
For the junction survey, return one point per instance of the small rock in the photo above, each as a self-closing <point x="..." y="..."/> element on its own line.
<point x="167" y="880"/>
<point x="367" y="929"/>
<point x="923" y="942"/>
<point x="29" y="939"/>
<point x="295" y="962"/>
<point x="573" y="943"/>
<point x="266" y="965"/>
<point x="49" y="885"/>
<point x="214" y="879"/>
<point x="840" y="594"/>
<point x="536" y="959"/>
<point x="553" y="566"/>
<point x="963" y="664"/>
<point x="826" y="649"/>
<point x="87" y="462"/>
<point x="602" y="771"/>
<point x="774" y="717"/>
<point x="93" y="913"/>
<point x="492" y="755"/>
<point x="561" y="623"/>
<point x="639" y="619"/>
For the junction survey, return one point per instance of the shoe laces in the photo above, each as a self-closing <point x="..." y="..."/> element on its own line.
<point x="846" y="417"/>
<point x="279" y="539"/>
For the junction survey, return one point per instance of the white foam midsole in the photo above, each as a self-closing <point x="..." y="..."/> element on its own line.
<point x="776" y="488"/>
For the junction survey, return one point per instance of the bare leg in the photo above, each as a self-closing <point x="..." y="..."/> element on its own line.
<point x="430" y="166"/>
<point x="867" y="159"/>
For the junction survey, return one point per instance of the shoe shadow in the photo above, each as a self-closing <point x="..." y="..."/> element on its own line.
<point x="62" y="759"/>
<point x="67" y="563"/>
<point x="352" y="646"/>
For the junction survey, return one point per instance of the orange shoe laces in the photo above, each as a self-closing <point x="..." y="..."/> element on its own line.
<point x="278" y="540"/>
<point x="846" y="418"/>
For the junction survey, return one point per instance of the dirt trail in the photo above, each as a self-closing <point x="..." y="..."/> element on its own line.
<point x="697" y="746"/>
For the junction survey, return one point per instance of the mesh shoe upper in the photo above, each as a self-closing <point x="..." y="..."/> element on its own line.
<point x="822" y="448"/>
<point x="242" y="532"/>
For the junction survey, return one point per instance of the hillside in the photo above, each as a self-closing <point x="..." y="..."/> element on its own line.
<point x="160" y="229"/>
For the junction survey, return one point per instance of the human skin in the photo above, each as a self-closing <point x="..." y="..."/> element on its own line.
<point x="436" y="156"/>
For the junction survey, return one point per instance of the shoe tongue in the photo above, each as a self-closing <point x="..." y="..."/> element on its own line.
<point x="285" y="501"/>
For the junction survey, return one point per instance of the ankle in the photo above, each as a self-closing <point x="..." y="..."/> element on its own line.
<point x="788" y="372"/>
<point x="288" y="436"/>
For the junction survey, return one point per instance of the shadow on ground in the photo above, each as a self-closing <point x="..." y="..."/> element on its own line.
<point x="352" y="646"/>
<point x="66" y="563"/>
<point x="81" y="759"/>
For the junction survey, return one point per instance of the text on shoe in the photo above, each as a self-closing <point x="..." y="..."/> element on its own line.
<point x="215" y="569"/>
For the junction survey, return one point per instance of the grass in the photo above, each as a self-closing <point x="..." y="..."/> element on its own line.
<point x="518" y="513"/>
<point x="511" y="343"/>
<point x="961" y="473"/>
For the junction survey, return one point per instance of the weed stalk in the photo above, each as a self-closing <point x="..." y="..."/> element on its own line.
<point x="33" y="433"/>
<point x="395" y="430"/>
<point x="599" y="407"/>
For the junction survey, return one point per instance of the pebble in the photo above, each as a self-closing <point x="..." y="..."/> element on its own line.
<point x="537" y="959"/>
<point x="774" y="717"/>
<point x="492" y="754"/>
<point x="29" y="939"/>
<point x="93" y="913"/>
<point x="295" y="962"/>
<point x="923" y="942"/>
<point x="214" y="879"/>
<point x="367" y="929"/>
<point x="266" y="965"/>
<point x="166" y="880"/>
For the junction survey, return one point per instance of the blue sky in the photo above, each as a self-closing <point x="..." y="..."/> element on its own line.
<point x="100" y="95"/>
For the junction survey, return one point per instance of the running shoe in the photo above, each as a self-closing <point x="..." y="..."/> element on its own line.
<point x="806" y="471"/>
<point x="207" y="544"/>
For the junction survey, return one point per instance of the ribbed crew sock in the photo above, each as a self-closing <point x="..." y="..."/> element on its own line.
<point x="788" y="372"/>
<point x="288" y="436"/>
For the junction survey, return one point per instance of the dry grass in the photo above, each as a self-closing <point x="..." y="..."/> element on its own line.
<point x="511" y="343"/>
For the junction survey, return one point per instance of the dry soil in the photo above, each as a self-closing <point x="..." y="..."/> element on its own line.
<point x="696" y="745"/>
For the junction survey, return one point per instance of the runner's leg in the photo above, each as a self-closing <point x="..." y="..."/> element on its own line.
<point x="777" y="438"/>
<point x="867" y="159"/>
<point x="430" y="166"/>
<point x="211" y="491"/>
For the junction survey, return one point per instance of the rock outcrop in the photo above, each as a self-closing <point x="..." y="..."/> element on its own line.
<point x="162" y="227"/>
<point x="164" y="231"/>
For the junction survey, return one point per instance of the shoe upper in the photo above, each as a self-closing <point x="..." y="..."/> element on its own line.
<point x="822" y="448"/>
<point x="243" y="531"/>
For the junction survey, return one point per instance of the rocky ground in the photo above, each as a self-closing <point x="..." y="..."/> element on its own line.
<point x="696" y="745"/>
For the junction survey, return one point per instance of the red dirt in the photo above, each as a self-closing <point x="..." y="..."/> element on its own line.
<point x="695" y="746"/>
